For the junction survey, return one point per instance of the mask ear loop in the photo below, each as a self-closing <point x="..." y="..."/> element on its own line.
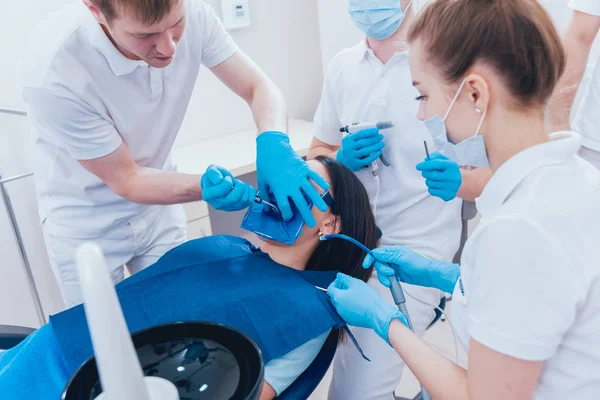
<point x="462" y="85"/>
<point x="407" y="7"/>
<point x="480" y="123"/>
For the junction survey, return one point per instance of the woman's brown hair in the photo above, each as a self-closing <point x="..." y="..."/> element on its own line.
<point x="515" y="37"/>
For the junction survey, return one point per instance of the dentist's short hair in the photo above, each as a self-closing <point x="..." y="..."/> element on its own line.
<point x="147" y="12"/>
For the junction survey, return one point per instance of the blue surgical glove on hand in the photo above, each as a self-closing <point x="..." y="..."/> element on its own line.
<point x="360" y="149"/>
<point x="442" y="176"/>
<point x="282" y="172"/>
<point x="360" y="305"/>
<point x="222" y="191"/>
<point x="412" y="268"/>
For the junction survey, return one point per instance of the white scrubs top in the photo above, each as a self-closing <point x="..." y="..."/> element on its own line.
<point x="85" y="98"/>
<point x="359" y="88"/>
<point x="530" y="285"/>
<point x="587" y="119"/>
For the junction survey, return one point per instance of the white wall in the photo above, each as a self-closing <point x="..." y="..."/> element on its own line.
<point x="337" y="31"/>
<point x="283" y="40"/>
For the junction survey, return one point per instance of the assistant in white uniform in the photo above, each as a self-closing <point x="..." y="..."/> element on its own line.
<point x="530" y="272"/>
<point x="526" y="295"/>
<point x="106" y="105"/>
<point x="359" y="87"/>
<point x="579" y="38"/>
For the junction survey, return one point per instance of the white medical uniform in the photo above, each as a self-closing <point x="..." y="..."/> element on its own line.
<point x="84" y="99"/>
<point x="359" y="88"/>
<point x="530" y="285"/>
<point x="587" y="118"/>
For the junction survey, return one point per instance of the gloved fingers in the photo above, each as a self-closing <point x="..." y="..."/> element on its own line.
<point x="318" y="179"/>
<point x="390" y="255"/>
<point x="314" y="196"/>
<point x="384" y="280"/>
<point x="441" y="165"/>
<point x="384" y="269"/>
<point x="452" y="174"/>
<point x="441" y="185"/>
<point x="368" y="261"/>
<point x="434" y="175"/>
<point x="218" y="191"/>
<point x="303" y="208"/>
<point x="283" y="204"/>
<point x="442" y="194"/>
<point x="341" y="282"/>
<point x="365" y="133"/>
<point x="249" y="196"/>
<point x="212" y="176"/>
<point x="359" y="144"/>
<point x="235" y="196"/>
<point x="385" y="273"/>
<point x="365" y="151"/>
<point x="224" y="171"/>
<point x="263" y="187"/>
<point x="437" y="156"/>
<point x="370" y="159"/>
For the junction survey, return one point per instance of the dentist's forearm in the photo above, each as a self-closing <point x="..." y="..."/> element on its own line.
<point x="473" y="182"/>
<point x="269" y="108"/>
<point x="442" y="379"/>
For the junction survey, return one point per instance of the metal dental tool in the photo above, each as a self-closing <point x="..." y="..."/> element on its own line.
<point x="273" y="207"/>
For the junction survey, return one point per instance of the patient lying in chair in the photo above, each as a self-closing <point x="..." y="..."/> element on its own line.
<point x="267" y="293"/>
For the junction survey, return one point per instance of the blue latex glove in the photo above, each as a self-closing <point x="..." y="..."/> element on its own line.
<point x="282" y="172"/>
<point x="410" y="267"/>
<point x="360" y="305"/>
<point x="360" y="149"/>
<point x="222" y="191"/>
<point x="442" y="176"/>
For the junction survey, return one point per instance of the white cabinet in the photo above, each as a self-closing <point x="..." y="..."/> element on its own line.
<point x="199" y="228"/>
<point x="198" y="220"/>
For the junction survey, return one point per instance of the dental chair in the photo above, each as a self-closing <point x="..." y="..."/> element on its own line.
<point x="301" y="389"/>
<point x="10" y="336"/>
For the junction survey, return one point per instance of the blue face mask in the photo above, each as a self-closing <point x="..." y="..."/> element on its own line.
<point x="267" y="223"/>
<point x="378" y="19"/>
<point x="469" y="152"/>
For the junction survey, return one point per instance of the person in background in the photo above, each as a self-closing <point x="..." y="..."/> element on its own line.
<point x="578" y="40"/>
<point x="526" y="295"/>
<point x="371" y="82"/>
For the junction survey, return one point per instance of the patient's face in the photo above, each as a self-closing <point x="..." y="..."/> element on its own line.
<point x="312" y="234"/>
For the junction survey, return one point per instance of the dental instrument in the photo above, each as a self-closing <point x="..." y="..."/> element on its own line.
<point x="395" y="288"/>
<point x="380" y="125"/>
<point x="273" y="207"/>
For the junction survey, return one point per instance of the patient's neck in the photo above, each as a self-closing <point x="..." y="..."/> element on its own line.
<point x="295" y="256"/>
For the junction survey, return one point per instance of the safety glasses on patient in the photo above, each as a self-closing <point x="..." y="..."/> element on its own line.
<point x="268" y="224"/>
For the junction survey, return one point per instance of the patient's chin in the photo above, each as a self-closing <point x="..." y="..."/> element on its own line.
<point x="274" y="243"/>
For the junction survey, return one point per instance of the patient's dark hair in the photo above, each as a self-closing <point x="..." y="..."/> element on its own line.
<point x="351" y="204"/>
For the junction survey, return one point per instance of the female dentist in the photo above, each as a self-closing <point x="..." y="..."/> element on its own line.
<point x="526" y="297"/>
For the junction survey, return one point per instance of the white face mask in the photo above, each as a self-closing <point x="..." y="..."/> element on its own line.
<point x="469" y="152"/>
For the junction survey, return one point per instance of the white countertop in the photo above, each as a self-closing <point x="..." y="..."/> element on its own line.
<point x="236" y="151"/>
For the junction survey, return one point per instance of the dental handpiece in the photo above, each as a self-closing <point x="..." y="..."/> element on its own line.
<point x="380" y="125"/>
<point x="395" y="288"/>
